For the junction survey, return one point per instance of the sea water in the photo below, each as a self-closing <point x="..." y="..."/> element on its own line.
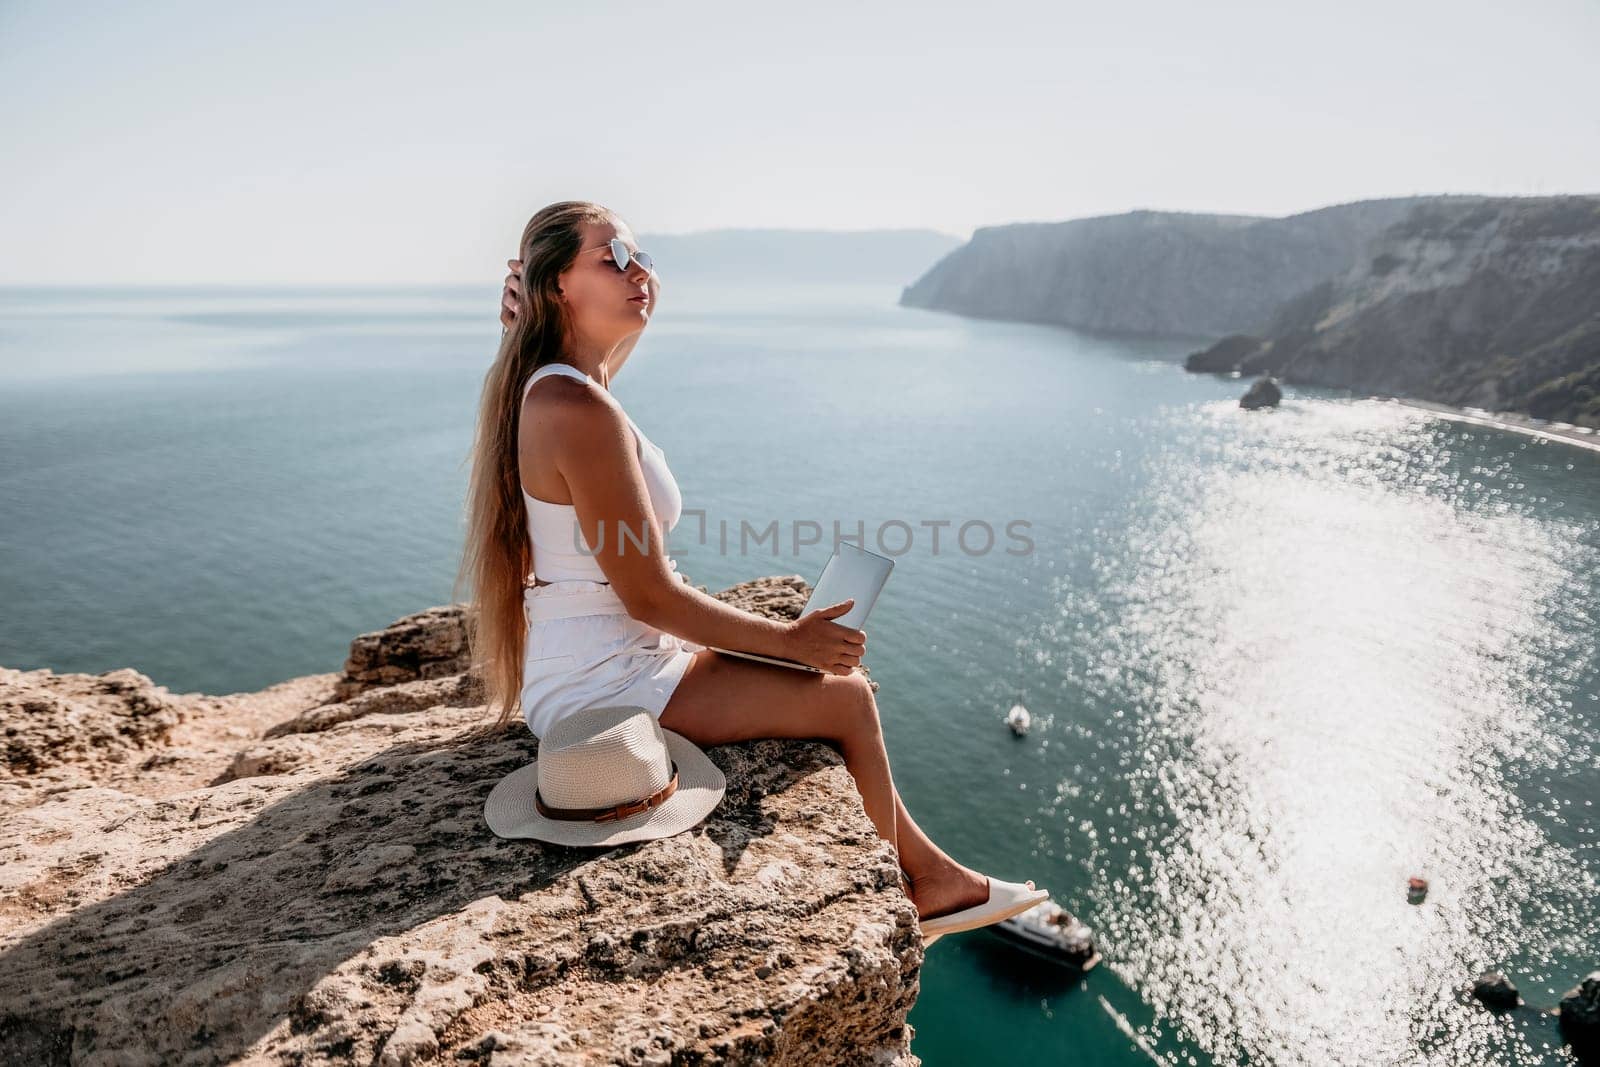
<point x="1278" y="661"/>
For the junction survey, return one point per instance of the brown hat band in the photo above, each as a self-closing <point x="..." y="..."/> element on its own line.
<point x="619" y="811"/>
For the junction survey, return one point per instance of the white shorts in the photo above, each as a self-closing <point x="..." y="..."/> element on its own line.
<point x="594" y="659"/>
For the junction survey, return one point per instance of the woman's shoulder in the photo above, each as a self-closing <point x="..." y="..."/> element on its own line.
<point x="560" y="391"/>
<point x="577" y="411"/>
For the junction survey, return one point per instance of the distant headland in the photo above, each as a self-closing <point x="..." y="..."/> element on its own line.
<point x="1469" y="301"/>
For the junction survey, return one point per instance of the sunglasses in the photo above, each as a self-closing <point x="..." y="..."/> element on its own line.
<point x="620" y="254"/>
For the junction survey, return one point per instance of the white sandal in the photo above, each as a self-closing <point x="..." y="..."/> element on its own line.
<point x="1005" y="900"/>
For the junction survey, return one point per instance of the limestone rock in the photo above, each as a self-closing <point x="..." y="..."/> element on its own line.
<point x="1263" y="393"/>
<point x="1580" y="1018"/>
<point x="1496" y="991"/>
<point x="49" y="720"/>
<point x="1224" y="356"/>
<point x="335" y="896"/>
<point x="428" y="644"/>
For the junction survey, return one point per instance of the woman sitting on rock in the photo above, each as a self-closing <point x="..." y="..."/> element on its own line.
<point x="555" y="457"/>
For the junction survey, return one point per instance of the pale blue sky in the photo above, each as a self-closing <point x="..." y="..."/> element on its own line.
<point x="337" y="142"/>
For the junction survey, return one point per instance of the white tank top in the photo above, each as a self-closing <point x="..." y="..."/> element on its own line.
<point x="553" y="529"/>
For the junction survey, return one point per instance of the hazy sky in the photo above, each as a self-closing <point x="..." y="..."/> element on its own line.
<point x="403" y="142"/>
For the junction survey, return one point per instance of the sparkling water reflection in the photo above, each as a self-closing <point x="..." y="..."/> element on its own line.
<point x="1330" y="646"/>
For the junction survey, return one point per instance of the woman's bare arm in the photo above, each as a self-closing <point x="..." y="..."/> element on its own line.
<point x="593" y="449"/>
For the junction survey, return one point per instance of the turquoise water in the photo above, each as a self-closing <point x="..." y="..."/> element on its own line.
<point x="1278" y="661"/>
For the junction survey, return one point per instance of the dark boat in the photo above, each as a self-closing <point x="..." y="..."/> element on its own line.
<point x="1049" y="930"/>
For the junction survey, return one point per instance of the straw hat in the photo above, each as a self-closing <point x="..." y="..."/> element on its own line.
<point x="606" y="776"/>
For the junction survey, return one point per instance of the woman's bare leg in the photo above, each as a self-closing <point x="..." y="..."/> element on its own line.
<point x="723" y="698"/>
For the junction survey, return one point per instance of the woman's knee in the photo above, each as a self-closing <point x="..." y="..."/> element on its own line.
<point x="856" y="707"/>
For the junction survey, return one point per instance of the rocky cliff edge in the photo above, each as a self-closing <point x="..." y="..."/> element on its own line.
<point x="303" y="875"/>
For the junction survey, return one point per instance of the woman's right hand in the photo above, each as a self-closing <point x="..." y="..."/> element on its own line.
<point x="512" y="294"/>
<point x="817" y="641"/>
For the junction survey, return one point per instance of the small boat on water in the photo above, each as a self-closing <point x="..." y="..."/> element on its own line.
<point x="1047" y="929"/>
<point x="1018" y="719"/>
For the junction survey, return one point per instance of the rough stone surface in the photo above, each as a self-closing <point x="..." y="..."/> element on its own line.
<point x="112" y="717"/>
<point x="1580" y="1018"/>
<point x="1263" y="393"/>
<point x="429" y="644"/>
<point x="1225" y="356"/>
<point x="303" y="875"/>
<point x="1496" y="991"/>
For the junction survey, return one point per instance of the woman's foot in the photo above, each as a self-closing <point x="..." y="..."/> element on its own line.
<point x="949" y="889"/>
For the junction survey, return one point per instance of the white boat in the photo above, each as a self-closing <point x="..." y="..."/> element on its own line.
<point x="1047" y="929"/>
<point x="1018" y="719"/>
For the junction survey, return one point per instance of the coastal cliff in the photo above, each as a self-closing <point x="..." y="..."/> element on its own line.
<point x="303" y="874"/>
<point x="1152" y="272"/>
<point x="1490" y="303"/>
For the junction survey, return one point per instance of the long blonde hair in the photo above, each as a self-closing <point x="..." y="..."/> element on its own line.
<point x="497" y="558"/>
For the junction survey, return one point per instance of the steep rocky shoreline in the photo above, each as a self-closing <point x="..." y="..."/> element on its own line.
<point x="1151" y="272"/>
<point x="1471" y="301"/>
<point x="303" y="874"/>
<point x="1492" y="304"/>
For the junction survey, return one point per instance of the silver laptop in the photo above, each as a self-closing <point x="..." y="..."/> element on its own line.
<point x="850" y="572"/>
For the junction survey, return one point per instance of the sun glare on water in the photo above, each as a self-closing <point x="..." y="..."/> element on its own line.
<point x="1323" y="651"/>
